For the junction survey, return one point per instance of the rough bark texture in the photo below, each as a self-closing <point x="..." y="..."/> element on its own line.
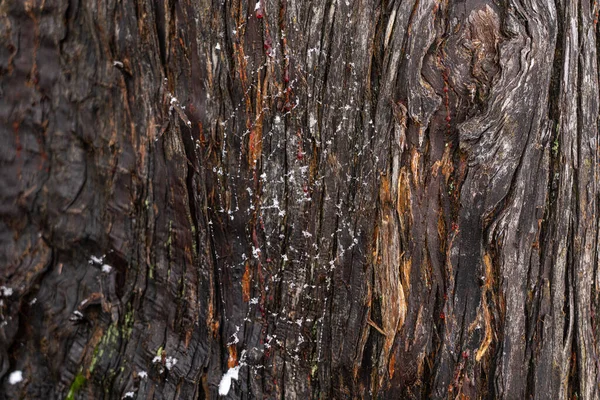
<point x="342" y="199"/>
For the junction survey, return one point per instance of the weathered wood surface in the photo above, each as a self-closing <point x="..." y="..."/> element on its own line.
<point x="344" y="199"/>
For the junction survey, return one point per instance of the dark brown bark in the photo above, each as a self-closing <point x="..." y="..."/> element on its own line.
<point x="338" y="199"/>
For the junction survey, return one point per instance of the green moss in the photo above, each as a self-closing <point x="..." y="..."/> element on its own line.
<point x="313" y="331"/>
<point x="108" y="342"/>
<point x="128" y="323"/>
<point x="555" y="145"/>
<point x="98" y="352"/>
<point x="170" y="237"/>
<point x="451" y="188"/>
<point x="77" y="384"/>
<point x="182" y="285"/>
<point x="108" y="380"/>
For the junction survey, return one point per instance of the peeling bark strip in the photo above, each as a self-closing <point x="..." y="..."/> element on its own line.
<point x="292" y="199"/>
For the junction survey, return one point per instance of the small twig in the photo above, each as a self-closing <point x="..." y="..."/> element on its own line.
<point x="374" y="325"/>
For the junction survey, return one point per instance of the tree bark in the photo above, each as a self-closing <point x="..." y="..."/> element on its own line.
<point x="334" y="199"/>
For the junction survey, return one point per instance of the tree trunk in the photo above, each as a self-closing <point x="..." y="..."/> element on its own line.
<point x="292" y="199"/>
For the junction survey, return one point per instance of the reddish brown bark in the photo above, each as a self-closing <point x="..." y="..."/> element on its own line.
<point x="338" y="199"/>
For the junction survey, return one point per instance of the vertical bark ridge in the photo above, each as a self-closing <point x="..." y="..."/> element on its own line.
<point x="338" y="199"/>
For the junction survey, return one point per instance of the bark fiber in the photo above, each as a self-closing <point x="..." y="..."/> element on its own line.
<point x="341" y="198"/>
